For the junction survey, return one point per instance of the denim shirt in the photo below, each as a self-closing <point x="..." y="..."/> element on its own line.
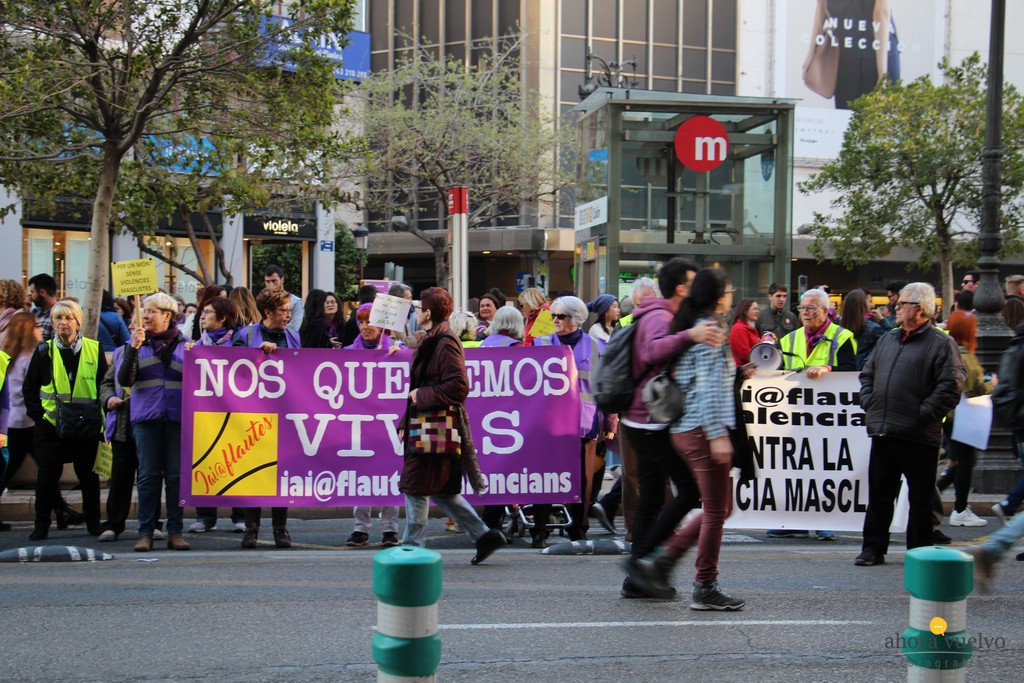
<point x="705" y="375"/>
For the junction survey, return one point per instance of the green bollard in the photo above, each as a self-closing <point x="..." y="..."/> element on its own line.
<point x="936" y="644"/>
<point x="407" y="583"/>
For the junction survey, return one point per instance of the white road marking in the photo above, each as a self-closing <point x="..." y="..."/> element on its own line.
<point x="620" y="624"/>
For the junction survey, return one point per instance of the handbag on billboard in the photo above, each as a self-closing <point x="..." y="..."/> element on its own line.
<point x="822" y="67"/>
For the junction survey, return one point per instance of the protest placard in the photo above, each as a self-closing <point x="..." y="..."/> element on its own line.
<point x="390" y="312"/>
<point x="134" y="277"/>
<point x="811" y="450"/>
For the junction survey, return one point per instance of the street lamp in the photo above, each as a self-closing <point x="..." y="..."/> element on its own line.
<point x="993" y="334"/>
<point x="612" y="76"/>
<point x="362" y="236"/>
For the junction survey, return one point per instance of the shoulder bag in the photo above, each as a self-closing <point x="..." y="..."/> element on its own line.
<point x="664" y="401"/>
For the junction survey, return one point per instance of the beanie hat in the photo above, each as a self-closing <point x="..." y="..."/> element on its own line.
<point x="601" y="304"/>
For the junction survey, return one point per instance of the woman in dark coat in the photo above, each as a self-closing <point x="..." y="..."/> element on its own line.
<point x="437" y="380"/>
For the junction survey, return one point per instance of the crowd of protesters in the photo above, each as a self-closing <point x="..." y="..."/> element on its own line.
<point x="687" y="320"/>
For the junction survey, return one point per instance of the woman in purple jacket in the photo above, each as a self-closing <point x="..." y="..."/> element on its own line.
<point x="268" y="336"/>
<point x="152" y="368"/>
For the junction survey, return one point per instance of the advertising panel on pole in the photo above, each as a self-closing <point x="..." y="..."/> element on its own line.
<point x="811" y="450"/>
<point x="829" y="52"/>
<point x="592" y="213"/>
<point x="322" y="428"/>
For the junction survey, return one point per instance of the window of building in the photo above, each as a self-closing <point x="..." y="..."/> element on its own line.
<point x="455" y="20"/>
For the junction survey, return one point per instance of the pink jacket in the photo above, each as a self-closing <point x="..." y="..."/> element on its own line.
<point x="653" y="347"/>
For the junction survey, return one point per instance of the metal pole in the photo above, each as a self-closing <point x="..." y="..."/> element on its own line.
<point x="996" y="469"/>
<point x="993" y="334"/>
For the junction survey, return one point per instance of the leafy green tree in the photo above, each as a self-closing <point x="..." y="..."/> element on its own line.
<point x="432" y="123"/>
<point x="909" y="174"/>
<point x="85" y="83"/>
<point x="288" y="255"/>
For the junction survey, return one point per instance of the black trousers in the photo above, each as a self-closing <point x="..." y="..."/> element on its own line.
<point x="889" y="459"/>
<point x="123" y="468"/>
<point x="51" y="452"/>
<point x="656" y="463"/>
<point x="19" y="446"/>
<point x="278" y="517"/>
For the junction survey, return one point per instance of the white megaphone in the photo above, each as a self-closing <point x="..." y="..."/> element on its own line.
<point x="766" y="355"/>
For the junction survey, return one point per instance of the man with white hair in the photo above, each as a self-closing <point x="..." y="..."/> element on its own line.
<point x="920" y="376"/>
<point x="643" y="287"/>
<point x="817" y="348"/>
<point x="821" y="345"/>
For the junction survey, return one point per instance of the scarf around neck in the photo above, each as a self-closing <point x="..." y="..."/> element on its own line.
<point x="163" y="342"/>
<point x="572" y="338"/>
<point x="221" y="337"/>
<point x="75" y="345"/>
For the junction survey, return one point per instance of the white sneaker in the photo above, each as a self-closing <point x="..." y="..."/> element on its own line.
<point x="239" y="527"/>
<point x="108" y="536"/>
<point x="201" y="527"/>
<point x="966" y="518"/>
<point x="159" y="535"/>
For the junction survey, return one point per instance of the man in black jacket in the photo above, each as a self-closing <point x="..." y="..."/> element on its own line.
<point x="910" y="382"/>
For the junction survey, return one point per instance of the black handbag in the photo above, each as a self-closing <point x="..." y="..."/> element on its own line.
<point x="79" y="421"/>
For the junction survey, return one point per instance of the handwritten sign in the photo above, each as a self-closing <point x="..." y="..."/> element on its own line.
<point x="543" y="325"/>
<point x="134" y="277"/>
<point x="811" y="451"/>
<point x="390" y="312"/>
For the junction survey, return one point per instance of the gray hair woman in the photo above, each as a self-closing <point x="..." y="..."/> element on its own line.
<point x="65" y="371"/>
<point x="506" y="328"/>
<point x="569" y="312"/>
<point x="154" y="361"/>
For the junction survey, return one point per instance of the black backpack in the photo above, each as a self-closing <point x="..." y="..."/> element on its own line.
<point x="1008" y="396"/>
<point x="612" y="382"/>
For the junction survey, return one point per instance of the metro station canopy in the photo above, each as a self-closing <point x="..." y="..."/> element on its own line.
<point x="637" y="203"/>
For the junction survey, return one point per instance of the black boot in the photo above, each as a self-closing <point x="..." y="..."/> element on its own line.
<point x="41" y="531"/>
<point x="68" y="516"/>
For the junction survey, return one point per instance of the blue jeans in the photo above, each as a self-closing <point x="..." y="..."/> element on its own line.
<point x="159" y="451"/>
<point x="456" y="507"/>
<point x="1016" y="495"/>
<point x="1004" y="538"/>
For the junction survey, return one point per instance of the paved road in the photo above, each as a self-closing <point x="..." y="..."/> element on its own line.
<point x="222" y="614"/>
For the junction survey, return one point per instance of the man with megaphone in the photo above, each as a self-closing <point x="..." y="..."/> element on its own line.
<point x="817" y="348"/>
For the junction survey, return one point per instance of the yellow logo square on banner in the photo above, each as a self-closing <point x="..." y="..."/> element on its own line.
<point x="234" y="454"/>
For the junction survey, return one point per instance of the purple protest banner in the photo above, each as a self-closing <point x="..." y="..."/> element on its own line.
<point x="320" y="427"/>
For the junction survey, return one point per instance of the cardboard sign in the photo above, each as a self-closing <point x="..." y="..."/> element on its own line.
<point x="543" y="325"/>
<point x="390" y="312"/>
<point x="973" y="421"/>
<point x="134" y="277"/>
<point x="104" y="460"/>
<point x="812" y="452"/>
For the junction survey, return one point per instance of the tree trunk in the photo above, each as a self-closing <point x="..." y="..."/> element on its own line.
<point x="946" y="283"/>
<point x="218" y="251"/>
<point x="190" y="231"/>
<point x="440" y="263"/>
<point x="99" y="231"/>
